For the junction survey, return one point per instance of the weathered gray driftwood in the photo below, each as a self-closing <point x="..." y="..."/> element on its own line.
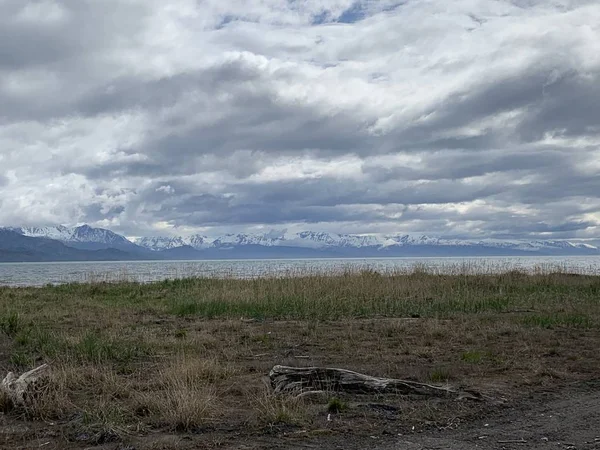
<point x="303" y="379"/>
<point x="18" y="389"/>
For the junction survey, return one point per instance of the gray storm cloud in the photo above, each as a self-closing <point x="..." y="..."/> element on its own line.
<point x="471" y="118"/>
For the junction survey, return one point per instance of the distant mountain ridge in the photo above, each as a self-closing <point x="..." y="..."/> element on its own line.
<point x="15" y="247"/>
<point x="324" y="240"/>
<point x="83" y="237"/>
<point x="59" y="243"/>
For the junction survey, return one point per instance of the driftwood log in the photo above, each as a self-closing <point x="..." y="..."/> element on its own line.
<point x="19" y="389"/>
<point x="301" y="380"/>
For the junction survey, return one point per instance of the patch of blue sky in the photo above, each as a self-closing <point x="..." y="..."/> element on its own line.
<point x="226" y="20"/>
<point x="355" y="13"/>
<point x="321" y="18"/>
<point x="359" y="10"/>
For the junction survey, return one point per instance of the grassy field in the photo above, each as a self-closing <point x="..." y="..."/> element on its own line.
<point x="159" y="365"/>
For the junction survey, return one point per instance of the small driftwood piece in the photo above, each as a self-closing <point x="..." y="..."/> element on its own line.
<point x="303" y="379"/>
<point x="18" y="389"/>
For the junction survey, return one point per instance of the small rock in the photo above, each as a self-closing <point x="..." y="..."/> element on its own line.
<point x="106" y="437"/>
<point x="81" y="437"/>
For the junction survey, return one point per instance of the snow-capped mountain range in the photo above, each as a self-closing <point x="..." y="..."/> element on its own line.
<point x="84" y="236"/>
<point x="83" y="233"/>
<point x="318" y="240"/>
<point x="303" y="244"/>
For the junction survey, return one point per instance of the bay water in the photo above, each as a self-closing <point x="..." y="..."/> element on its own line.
<point x="39" y="274"/>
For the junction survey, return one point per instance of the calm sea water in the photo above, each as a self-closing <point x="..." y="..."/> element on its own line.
<point x="39" y="274"/>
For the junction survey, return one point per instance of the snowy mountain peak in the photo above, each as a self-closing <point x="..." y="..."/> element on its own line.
<point x="160" y="243"/>
<point x="81" y="234"/>
<point x="85" y="233"/>
<point x="59" y="233"/>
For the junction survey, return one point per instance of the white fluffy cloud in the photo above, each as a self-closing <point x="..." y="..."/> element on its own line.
<point x="463" y="118"/>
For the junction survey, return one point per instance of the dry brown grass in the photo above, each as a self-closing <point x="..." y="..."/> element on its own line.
<point x="183" y="394"/>
<point x="180" y="405"/>
<point x="182" y="355"/>
<point x="279" y="410"/>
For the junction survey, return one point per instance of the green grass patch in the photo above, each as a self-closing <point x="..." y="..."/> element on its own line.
<point x="336" y="405"/>
<point x="35" y="343"/>
<point x="181" y="333"/>
<point x="363" y="294"/>
<point x="440" y="375"/>
<point x="11" y="323"/>
<point x="472" y="357"/>
<point x="21" y="359"/>
<point x="95" y="348"/>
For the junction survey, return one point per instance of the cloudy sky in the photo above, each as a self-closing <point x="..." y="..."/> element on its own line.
<point x="463" y="118"/>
